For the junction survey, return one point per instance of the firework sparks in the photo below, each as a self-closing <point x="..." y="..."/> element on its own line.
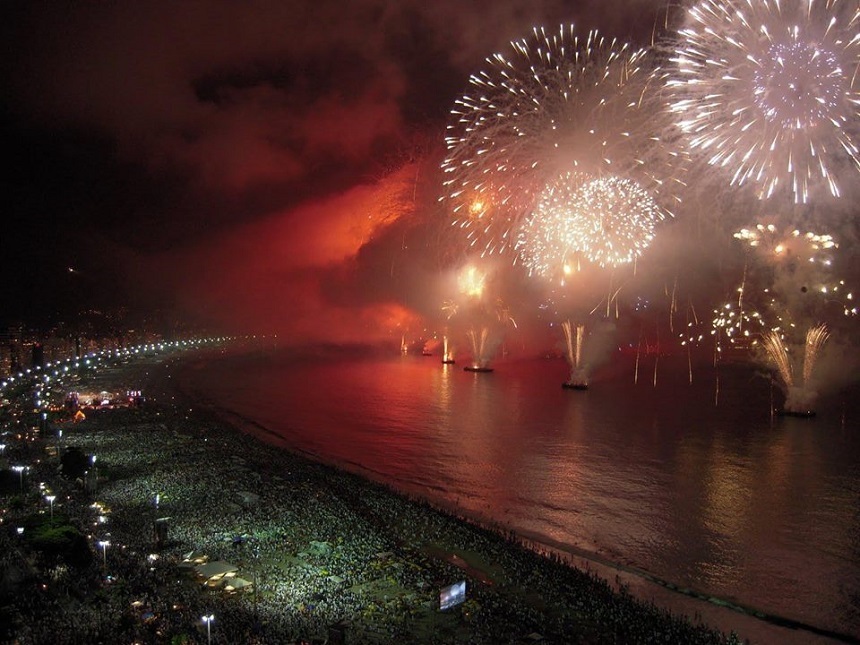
<point x="800" y="395"/>
<point x="558" y="103"/>
<point x="768" y="91"/>
<point x="607" y="221"/>
<point x="816" y="338"/>
<point x="614" y="220"/>
<point x="574" y="336"/>
<point x="777" y="352"/>
<point x="737" y="325"/>
<point x="799" y="264"/>
<point x="471" y="282"/>
<point x="480" y="347"/>
<point x="450" y="309"/>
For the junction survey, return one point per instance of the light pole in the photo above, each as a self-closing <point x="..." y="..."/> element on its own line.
<point x="20" y="470"/>
<point x="51" y="499"/>
<point x="104" y="544"/>
<point x="208" y="620"/>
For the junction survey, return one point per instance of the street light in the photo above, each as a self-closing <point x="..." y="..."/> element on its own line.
<point x="208" y="620"/>
<point x="51" y="499"/>
<point x="20" y="470"/>
<point x="104" y="544"/>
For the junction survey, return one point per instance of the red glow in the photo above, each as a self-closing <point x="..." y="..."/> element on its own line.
<point x="276" y="275"/>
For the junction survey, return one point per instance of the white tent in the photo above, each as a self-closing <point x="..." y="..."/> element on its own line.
<point x="215" y="569"/>
<point x="234" y="583"/>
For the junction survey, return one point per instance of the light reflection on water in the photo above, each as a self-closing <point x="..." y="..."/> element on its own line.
<point x="727" y="501"/>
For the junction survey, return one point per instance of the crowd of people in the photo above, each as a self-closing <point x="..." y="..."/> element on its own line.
<point x="330" y="556"/>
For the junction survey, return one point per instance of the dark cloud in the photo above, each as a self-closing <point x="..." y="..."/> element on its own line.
<point x="150" y="125"/>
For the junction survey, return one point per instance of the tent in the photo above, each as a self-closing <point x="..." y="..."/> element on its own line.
<point x="216" y="569"/>
<point x="235" y="583"/>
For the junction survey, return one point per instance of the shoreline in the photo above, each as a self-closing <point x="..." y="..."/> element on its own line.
<point x="726" y="615"/>
<point x="324" y="545"/>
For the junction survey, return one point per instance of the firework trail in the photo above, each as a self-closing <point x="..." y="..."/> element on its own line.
<point x="574" y="337"/>
<point x="556" y="103"/>
<point x="768" y="91"/>
<point x="816" y="338"/>
<point x="800" y="396"/>
<point x="480" y="348"/>
<point x="778" y="355"/>
<point x="447" y="350"/>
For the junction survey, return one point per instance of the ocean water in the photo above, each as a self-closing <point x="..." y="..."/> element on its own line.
<point x="696" y="485"/>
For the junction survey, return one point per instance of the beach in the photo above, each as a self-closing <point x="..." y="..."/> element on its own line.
<point x="307" y="553"/>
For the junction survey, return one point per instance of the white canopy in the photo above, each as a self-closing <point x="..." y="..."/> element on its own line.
<point x="217" y="568"/>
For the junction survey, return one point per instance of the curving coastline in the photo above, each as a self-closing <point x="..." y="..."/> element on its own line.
<point x="325" y="546"/>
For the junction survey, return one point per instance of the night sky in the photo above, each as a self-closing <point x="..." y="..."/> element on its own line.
<point x="157" y="149"/>
<point x="264" y="166"/>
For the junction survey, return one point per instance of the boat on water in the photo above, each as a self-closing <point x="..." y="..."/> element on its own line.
<point x="568" y="385"/>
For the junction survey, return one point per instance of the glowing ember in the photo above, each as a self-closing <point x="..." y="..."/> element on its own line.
<point x="471" y="282"/>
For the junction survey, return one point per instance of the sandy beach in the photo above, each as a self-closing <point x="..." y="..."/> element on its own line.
<point x="303" y="552"/>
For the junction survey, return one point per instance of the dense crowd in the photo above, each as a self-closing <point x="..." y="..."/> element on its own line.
<point x="325" y="551"/>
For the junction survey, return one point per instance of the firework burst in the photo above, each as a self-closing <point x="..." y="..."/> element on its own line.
<point x="797" y="269"/>
<point x="607" y="221"/>
<point x="788" y="281"/>
<point x="768" y="90"/>
<point x="614" y="220"/>
<point x="557" y="103"/>
<point x="546" y="241"/>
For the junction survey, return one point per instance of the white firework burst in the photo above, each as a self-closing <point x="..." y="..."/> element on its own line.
<point x="558" y="103"/>
<point x="768" y="91"/>
<point x="607" y="221"/>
